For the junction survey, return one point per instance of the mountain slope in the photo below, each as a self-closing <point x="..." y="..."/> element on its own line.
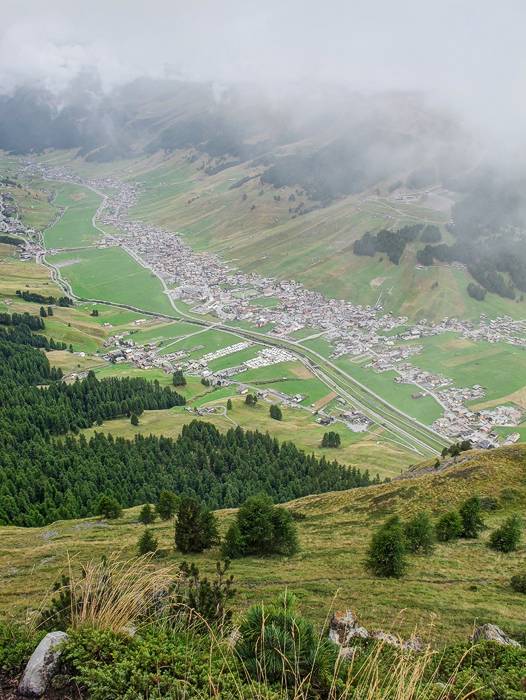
<point x="443" y="594"/>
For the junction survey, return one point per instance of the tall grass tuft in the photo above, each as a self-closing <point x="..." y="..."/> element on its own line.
<point x="116" y="595"/>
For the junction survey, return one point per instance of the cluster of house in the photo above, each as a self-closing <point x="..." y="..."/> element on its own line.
<point x="212" y="287"/>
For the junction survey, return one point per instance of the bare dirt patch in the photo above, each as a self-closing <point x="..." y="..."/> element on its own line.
<point x="301" y="372"/>
<point x="320" y="403"/>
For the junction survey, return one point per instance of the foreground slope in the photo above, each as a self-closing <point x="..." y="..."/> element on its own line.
<point x="443" y="594"/>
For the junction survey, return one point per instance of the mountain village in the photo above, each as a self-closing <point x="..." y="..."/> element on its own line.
<point x="213" y="288"/>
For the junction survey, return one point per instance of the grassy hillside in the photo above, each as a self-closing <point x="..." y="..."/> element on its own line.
<point x="443" y="594"/>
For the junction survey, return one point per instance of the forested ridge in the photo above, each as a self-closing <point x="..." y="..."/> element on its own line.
<point x="44" y="477"/>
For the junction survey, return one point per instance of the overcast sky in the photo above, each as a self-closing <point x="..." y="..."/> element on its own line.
<point x="468" y="53"/>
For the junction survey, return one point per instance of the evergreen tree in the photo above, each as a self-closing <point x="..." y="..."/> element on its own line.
<point x="147" y="543"/>
<point x="251" y="399"/>
<point x="178" y="378"/>
<point x="196" y="527"/>
<point x="134" y="420"/>
<point x="229" y="405"/>
<point x="331" y="439"/>
<point x="50" y="311"/>
<point x="167" y="505"/>
<point x="233" y="545"/>
<point x="109" y="507"/>
<point x="261" y="528"/>
<point x="472" y="523"/>
<point x="275" y="412"/>
<point x="147" y="515"/>
<point x="420" y="534"/>
<point x="386" y="555"/>
<point x="506" y="538"/>
<point x="43" y="312"/>
<point x="449" y="526"/>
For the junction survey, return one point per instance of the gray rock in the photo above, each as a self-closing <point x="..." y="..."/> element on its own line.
<point x="42" y="665"/>
<point x="344" y="627"/>
<point x="414" y="644"/>
<point x="492" y="633"/>
<point x="386" y="638"/>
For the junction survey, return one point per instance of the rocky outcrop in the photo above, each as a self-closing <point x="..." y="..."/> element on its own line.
<point x="344" y="628"/>
<point x="492" y="633"/>
<point x="42" y="665"/>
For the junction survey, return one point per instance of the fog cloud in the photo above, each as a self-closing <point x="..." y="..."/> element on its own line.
<point x="466" y="54"/>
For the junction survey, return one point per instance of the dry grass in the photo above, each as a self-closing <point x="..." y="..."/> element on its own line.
<point x="116" y="594"/>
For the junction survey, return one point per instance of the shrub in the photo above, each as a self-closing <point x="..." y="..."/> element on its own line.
<point x="196" y="528"/>
<point x="147" y="515"/>
<point x="261" y="528"/>
<point x="17" y="643"/>
<point x="147" y="543"/>
<point x="386" y="555"/>
<point x="486" y="671"/>
<point x="518" y="583"/>
<point x="204" y="601"/>
<point x="158" y="662"/>
<point x="109" y="507"/>
<point x="449" y="527"/>
<point x="472" y="523"/>
<point x="58" y="615"/>
<point x="281" y="647"/>
<point x="506" y="538"/>
<point x="420" y="534"/>
<point x="167" y="506"/>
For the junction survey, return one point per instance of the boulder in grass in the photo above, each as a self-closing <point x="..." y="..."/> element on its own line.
<point x="42" y="665"/>
<point x="492" y="633"/>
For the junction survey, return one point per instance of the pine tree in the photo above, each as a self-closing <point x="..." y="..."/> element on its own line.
<point x="43" y="312"/>
<point x="261" y="528"/>
<point x="196" y="528"/>
<point x="50" y="311"/>
<point x="472" y="523"/>
<point x="331" y="439"/>
<point x="275" y="412"/>
<point x="178" y="378"/>
<point x="147" y="543"/>
<point x="109" y="507"/>
<point x="229" y="405"/>
<point x="251" y="400"/>
<point x="449" y="526"/>
<point x="506" y="538"/>
<point x="147" y="515"/>
<point x="386" y="555"/>
<point x="420" y="534"/>
<point x="134" y="420"/>
<point x="233" y="545"/>
<point x="167" y="506"/>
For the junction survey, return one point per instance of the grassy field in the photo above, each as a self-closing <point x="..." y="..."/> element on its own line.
<point x="442" y="595"/>
<point x="74" y="228"/>
<point x="110" y="274"/>
<point x="500" y="368"/>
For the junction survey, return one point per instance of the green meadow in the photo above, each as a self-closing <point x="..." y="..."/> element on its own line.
<point x="75" y="227"/>
<point x="110" y="274"/>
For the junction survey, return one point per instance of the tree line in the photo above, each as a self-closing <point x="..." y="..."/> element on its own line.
<point x="35" y="298"/>
<point x="44" y="477"/>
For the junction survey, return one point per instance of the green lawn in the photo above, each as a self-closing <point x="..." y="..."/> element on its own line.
<point x="110" y="274"/>
<point x="500" y="368"/>
<point x="75" y="227"/>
